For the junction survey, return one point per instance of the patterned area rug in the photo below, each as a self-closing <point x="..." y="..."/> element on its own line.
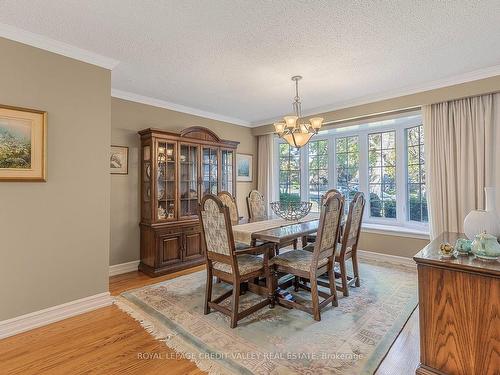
<point x="352" y="338"/>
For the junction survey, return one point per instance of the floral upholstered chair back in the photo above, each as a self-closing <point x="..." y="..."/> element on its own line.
<point x="229" y="201"/>
<point x="354" y="219"/>
<point x="329" y="225"/>
<point x="256" y="206"/>
<point x="216" y="227"/>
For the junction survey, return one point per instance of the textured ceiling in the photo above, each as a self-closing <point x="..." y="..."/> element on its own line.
<point x="235" y="58"/>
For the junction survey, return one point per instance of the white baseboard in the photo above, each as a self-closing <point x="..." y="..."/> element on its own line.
<point x="118" y="269"/>
<point x="371" y="255"/>
<point x="53" y="314"/>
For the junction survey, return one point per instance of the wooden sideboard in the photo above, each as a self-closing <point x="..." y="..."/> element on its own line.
<point x="459" y="307"/>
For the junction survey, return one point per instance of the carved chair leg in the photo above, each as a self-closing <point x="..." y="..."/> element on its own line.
<point x="235" y="303"/>
<point x="355" y="267"/>
<point x="295" y="241"/>
<point x="296" y="283"/>
<point x="343" y="275"/>
<point x="208" y="291"/>
<point x="315" y="298"/>
<point x="333" y="288"/>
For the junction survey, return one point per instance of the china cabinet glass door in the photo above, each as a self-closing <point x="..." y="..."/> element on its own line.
<point x="209" y="171"/>
<point x="188" y="161"/>
<point x="227" y="157"/>
<point x="146" y="182"/>
<point x="166" y="177"/>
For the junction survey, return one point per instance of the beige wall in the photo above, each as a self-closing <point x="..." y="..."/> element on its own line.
<point x="129" y="117"/>
<point x="390" y="244"/>
<point x="54" y="236"/>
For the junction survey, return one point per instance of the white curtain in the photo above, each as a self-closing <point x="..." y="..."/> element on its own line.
<point x="462" y="142"/>
<point x="265" y="168"/>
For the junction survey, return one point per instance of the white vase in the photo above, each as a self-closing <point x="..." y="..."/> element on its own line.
<point x="478" y="221"/>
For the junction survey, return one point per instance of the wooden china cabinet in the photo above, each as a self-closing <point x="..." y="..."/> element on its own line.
<point x="176" y="171"/>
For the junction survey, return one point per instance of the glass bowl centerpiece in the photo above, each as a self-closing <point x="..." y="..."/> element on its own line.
<point x="291" y="210"/>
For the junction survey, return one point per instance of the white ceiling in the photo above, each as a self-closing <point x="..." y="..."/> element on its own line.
<point x="234" y="58"/>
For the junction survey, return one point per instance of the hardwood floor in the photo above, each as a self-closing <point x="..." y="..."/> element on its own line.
<point x="108" y="341"/>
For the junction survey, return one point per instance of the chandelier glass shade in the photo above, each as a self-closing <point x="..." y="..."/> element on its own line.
<point x="292" y="129"/>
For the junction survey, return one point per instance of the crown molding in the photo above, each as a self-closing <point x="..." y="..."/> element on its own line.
<point x="409" y="90"/>
<point x="55" y="46"/>
<point x="175" y="107"/>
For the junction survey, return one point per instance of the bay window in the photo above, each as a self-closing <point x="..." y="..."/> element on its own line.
<point x="318" y="171"/>
<point x="383" y="159"/>
<point x="417" y="202"/>
<point x="382" y="174"/>
<point x="347" y="162"/>
<point x="289" y="173"/>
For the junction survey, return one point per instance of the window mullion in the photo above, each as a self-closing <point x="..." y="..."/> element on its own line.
<point x="304" y="173"/>
<point x="332" y="163"/>
<point x="400" y="177"/>
<point x="363" y="170"/>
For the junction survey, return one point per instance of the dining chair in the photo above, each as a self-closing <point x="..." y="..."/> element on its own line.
<point x="309" y="265"/>
<point x="257" y="212"/>
<point x="348" y="248"/>
<point x="256" y="206"/>
<point x="312" y="237"/>
<point x="229" y="263"/>
<point x="228" y="200"/>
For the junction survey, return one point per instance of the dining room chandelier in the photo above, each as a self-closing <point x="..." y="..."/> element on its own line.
<point x="293" y="130"/>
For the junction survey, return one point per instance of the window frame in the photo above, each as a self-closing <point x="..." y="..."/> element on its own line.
<point x="362" y="132"/>
<point x="301" y="166"/>
<point x="412" y="223"/>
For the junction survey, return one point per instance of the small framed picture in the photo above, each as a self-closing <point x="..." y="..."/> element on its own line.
<point x="23" y="144"/>
<point x="118" y="160"/>
<point x="244" y="167"/>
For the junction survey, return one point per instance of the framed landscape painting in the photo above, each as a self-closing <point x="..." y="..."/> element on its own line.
<point x="244" y="167"/>
<point x="23" y="144"/>
<point x="118" y="160"/>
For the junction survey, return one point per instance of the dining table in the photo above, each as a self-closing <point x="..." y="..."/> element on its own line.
<point x="275" y="230"/>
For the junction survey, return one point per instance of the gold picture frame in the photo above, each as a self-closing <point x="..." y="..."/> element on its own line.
<point x="23" y="144"/>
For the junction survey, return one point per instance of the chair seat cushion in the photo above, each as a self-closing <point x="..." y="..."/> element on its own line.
<point x="297" y="259"/>
<point x="247" y="263"/>
<point x="310" y="248"/>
